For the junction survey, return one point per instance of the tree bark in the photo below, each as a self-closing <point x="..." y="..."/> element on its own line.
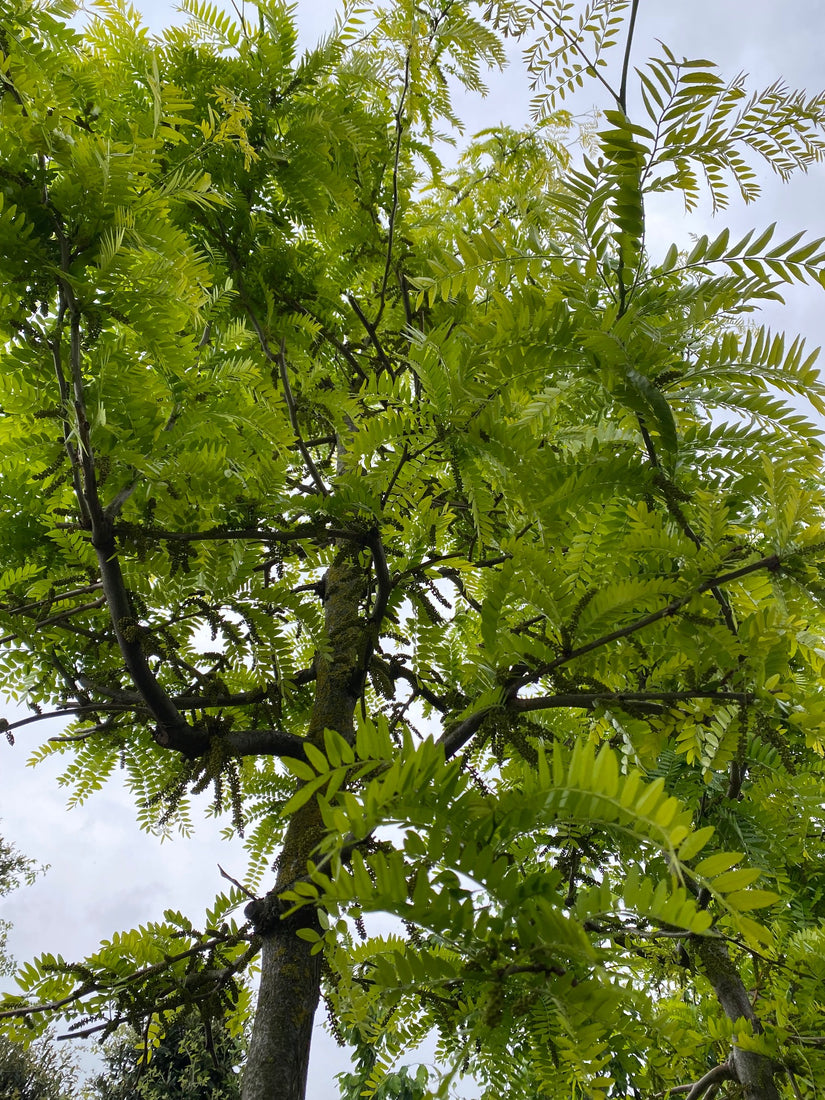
<point x="752" y="1070"/>
<point x="278" y="1057"/>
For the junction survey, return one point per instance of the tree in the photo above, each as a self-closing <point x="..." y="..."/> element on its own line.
<point x="15" y="869"/>
<point x="507" y="534"/>
<point x="39" y="1072"/>
<point x="188" y="1064"/>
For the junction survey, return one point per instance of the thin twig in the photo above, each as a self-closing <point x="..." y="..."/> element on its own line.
<point x="86" y="1032"/>
<point x="117" y="980"/>
<point x="682" y="520"/>
<point x="234" y="881"/>
<point x="399" y="133"/>
<point x="49" y="601"/>
<point x="61" y="616"/>
<point x="66" y="712"/>
<point x="794" y="1085"/>
<point x="373" y="334"/>
<point x="592" y="68"/>
<point x="485" y="563"/>
<point x="84" y="735"/>
<point x="393" y="671"/>
<point x="65" y="405"/>
<point x="455" y="737"/>
<point x="385" y="496"/>
<point x="293" y="419"/>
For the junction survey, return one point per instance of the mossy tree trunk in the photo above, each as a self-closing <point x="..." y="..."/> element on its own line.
<point x="753" y="1071"/>
<point x="290" y="975"/>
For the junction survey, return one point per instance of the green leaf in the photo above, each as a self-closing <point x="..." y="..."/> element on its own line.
<point x="751" y="899"/>
<point x="735" y="880"/>
<point x="695" y="842"/>
<point x="716" y="864"/>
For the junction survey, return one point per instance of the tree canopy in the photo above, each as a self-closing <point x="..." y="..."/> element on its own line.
<point x="469" y="551"/>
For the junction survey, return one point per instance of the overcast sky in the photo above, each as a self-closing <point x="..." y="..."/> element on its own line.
<point x="106" y="875"/>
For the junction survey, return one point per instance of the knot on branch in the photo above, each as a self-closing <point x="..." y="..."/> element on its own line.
<point x="190" y="741"/>
<point x="266" y="916"/>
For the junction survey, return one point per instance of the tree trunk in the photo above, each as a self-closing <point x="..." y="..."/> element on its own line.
<point x="278" y="1057"/>
<point x="753" y="1071"/>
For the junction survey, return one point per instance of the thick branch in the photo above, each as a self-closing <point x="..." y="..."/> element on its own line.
<point x="127" y="631"/>
<point x="194" y="741"/>
<point x="457" y="737"/>
<point x="127" y="699"/>
<point x="714" y="1076"/>
<point x="121" y="612"/>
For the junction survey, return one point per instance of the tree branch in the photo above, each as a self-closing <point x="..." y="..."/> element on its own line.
<point x="373" y="335"/>
<point x="771" y="562"/>
<point x="385" y="496"/>
<point x="573" y="44"/>
<point x="49" y="601"/>
<point x="681" y="519"/>
<point x="752" y="1070"/>
<point x="293" y="419"/>
<point x="61" y="616"/>
<point x="382" y="579"/>
<point x="487" y="563"/>
<point x="118" y="980"/>
<point x="91" y="709"/>
<point x="394" y="671"/>
<point x="457" y="736"/>
<point x="626" y="61"/>
<point x="119" y="604"/>
<point x="65" y="405"/>
<point x="309" y="529"/>
<point x="715" y="1076"/>
<point x="399" y="132"/>
<point x="589" y="700"/>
